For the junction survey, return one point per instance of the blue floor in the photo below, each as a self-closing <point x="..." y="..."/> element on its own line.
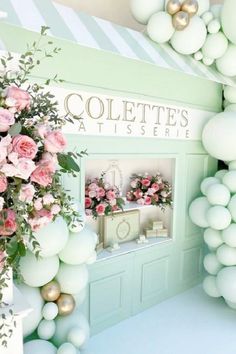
<point x="190" y="323"/>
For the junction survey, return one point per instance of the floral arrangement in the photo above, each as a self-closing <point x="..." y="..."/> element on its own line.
<point x="150" y="190"/>
<point x="101" y="198"/>
<point x="32" y="158"/>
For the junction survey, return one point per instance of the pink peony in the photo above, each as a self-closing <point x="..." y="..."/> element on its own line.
<point x="134" y="183"/>
<point x="138" y="194"/>
<point x="110" y="195"/>
<point x="20" y="99"/>
<point x="88" y="202"/>
<point x="48" y="199"/>
<point x="155" y="186"/>
<point x="49" y="157"/>
<point x="55" y="209"/>
<point x="93" y="186"/>
<point x="92" y="194"/>
<point x="43" y="173"/>
<point x="24" y="146"/>
<point x="54" y="141"/>
<point x="3" y="183"/>
<point x="27" y="192"/>
<point x="140" y="201"/>
<point x="151" y="191"/>
<point x="101" y="192"/>
<point x="100" y="209"/>
<point x="42" y="130"/>
<point x="6" y="119"/>
<point x="24" y="168"/>
<point x="5" y="147"/>
<point x="147" y="201"/>
<point x="38" y="204"/>
<point x="8" y="221"/>
<point x="129" y="196"/>
<point x="145" y="182"/>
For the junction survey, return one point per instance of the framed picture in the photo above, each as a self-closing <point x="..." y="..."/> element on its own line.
<point x="120" y="227"/>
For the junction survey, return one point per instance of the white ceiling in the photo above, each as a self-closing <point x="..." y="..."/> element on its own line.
<point x="116" y="11"/>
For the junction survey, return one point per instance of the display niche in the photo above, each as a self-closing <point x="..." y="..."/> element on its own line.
<point x="140" y="224"/>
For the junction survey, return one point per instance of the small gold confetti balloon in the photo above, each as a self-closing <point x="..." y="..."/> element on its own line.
<point x="66" y="304"/>
<point x="180" y="20"/>
<point x="51" y="291"/>
<point x="173" y="6"/>
<point x="190" y="6"/>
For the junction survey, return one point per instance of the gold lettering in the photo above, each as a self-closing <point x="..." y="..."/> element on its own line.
<point x="100" y="127"/>
<point x="93" y="100"/>
<point x="158" y="112"/>
<point x="184" y="115"/>
<point x="128" y="110"/>
<point x="144" y="106"/>
<point x="67" y="105"/>
<point x="110" y="102"/>
<point x="81" y="126"/>
<point x="170" y="118"/>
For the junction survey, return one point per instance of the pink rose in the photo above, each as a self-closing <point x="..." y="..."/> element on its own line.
<point x="114" y="208"/>
<point x="138" y="194"/>
<point x="93" y="186"/>
<point x="155" y="186"/>
<point x="145" y="182"/>
<point x="38" y="204"/>
<point x="3" y="183"/>
<point x="110" y="195"/>
<point x="100" y="209"/>
<point x="45" y="213"/>
<point x="42" y="130"/>
<point x="135" y="183"/>
<point x="24" y="168"/>
<point x="24" y="146"/>
<point x="5" y="147"/>
<point x="27" y="192"/>
<point x="54" y="141"/>
<point x="6" y="119"/>
<point x="88" y="212"/>
<point x="151" y="191"/>
<point x="88" y="202"/>
<point x="55" y="209"/>
<point x="20" y="99"/>
<point x="129" y="196"/>
<point x="101" y="192"/>
<point x="8" y="221"/>
<point x="156" y="197"/>
<point x="92" y="194"/>
<point x="147" y="201"/>
<point x="140" y="201"/>
<point x="49" y="157"/>
<point x="48" y="199"/>
<point x="43" y="173"/>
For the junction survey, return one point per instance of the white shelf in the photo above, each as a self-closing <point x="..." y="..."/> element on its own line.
<point x="131" y="246"/>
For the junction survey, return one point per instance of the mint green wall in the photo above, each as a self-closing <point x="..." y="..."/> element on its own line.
<point x="125" y="285"/>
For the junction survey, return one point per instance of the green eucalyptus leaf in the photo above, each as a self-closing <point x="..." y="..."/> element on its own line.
<point x="67" y="163"/>
<point x="15" y="129"/>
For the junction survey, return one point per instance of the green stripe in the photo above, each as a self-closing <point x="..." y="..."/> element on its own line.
<point x="133" y="44"/>
<point x="101" y="38"/>
<point x="165" y="56"/>
<point x="194" y="65"/>
<point x="53" y="19"/>
<point x="12" y="17"/>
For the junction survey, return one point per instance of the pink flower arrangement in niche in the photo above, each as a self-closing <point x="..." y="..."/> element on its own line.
<point x="150" y="190"/>
<point x="101" y="198"/>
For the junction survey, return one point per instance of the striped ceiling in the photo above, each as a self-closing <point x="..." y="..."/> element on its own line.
<point x="66" y="23"/>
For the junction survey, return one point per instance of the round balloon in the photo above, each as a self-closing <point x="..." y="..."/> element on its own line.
<point x="226" y="283"/>
<point x="220" y="174"/>
<point x="226" y="255"/>
<point x="232" y="305"/>
<point x="203" y="6"/>
<point x="218" y="194"/>
<point x="79" y="248"/>
<point x="212" y="264"/>
<point x="229" y="235"/>
<point x="80" y="297"/>
<point x="77" y="336"/>
<point x="160" y="27"/>
<point x="215" y="45"/>
<point x="37" y="272"/>
<point x="229" y="180"/>
<point x="213" y="238"/>
<point x="65" y="324"/>
<point x="207" y="61"/>
<point x="207" y="182"/>
<point x="50" y="311"/>
<point x="72" y="278"/>
<point x="51" y="291"/>
<point x="207" y="17"/>
<point x="198" y="210"/>
<point x="210" y="287"/>
<point x="226" y="64"/>
<point x="66" y="304"/>
<point x="230" y="94"/>
<point x="231" y="108"/>
<point x="228" y="19"/>
<point x="39" y="346"/>
<point x="191" y="39"/>
<point x="46" y="329"/>
<point x="213" y="26"/>
<point x="67" y="348"/>
<point x="218" y="217"/>
<point x="35" y="301"/>
<point x="232" y="207"/>
<point x="232" y="165"/>
<point x="142" y="10"/>
<point x="216" y="10"/>
<point x="52" y="237"/>
<point x="221" y="128"/>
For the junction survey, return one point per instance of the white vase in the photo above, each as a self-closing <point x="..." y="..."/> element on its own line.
<point x="7" y="292"/>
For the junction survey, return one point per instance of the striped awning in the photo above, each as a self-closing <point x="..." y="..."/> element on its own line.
<point x="93" y="32"/>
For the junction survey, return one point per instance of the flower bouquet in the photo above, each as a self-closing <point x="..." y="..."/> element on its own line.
<point x="101" y="198"/>
<point x="150" y="190"/>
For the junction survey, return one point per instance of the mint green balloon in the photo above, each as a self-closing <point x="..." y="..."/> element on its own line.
<point x="226" y="64"/>
<point x="218" y="194"/>
<point x="229" y="235"/>
<point x="226" y="255"/>
<point x="232" y="207"/>
<point x="198" y="210"/>
<point x="160" y="28"/>
<point x="228" y="19"/>
<point x="218" y="217"/>
<point x="210" y="287"/>
<point x="230" y="94"/>
<point x="226" y="283"/>
<point x="231" y="108"/>
<point x="213" y="238"/>
<point x="215" y="45"/>
<point x="67" y="348"/>
<point x="229" y="180"/>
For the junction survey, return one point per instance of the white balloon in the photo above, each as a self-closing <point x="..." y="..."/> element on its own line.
<point x="230" y="94"/>
<point x="232" y="166"/>
<point x="79" y="248"/>
<point x="212" y="264"/>
<point x="37" y="272"/>
<point x="198" y="55"/>
<point x="215" y="45"/>
<point x="39" y="346"/>
<point x="228" y="19"/>
<point x="207" y="17"/>
<point x="142" y="10"/>
<point x="203" y="6"/>
<point x="229" y="235"/>
<point x="52" y="237"/>
<point x="213" y="238"/>
<point x="218" y="194"/>
<point x="221" y="127"/>
<point x="46" y="329"/>
<point x="50" y="311"/>
<point x="191" y="39"/>
<point x="198" y="210"/>
<point x="231" y="108"/>
<point x="216" y="10"/>
<point x="160" y="28"/>
<point x="226" y="255"/>
<point x="80" y="297"/>
<point x="229" y="180"/>
<point x="34" y="299"/>
<point x="92" y="259"/>
<point x="76" y="336"/>
<point x="207" y="182"/>
<point x="210" y="287"/>
<point x="226" y="65"/>
<point x="207" y="61"/>
<point x="72" y="278"/>
<point x="232" y="207"/>
<point x="218" y="217"/>
<point x="232" y="305"/>
<point x="65" y="324"/>
<point x="226" y="283"/>
<point x="67" y="348"/>
<point x="220" y="174"/>
<point x="214" y="26"/>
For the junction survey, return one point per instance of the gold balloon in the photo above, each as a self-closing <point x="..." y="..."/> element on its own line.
<point x="173" y="6"/>
<point x="180" y="20"/>
<point x="66" y="304"/>
<point x="51" y="291"/>
<point x="190" y="6"/>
